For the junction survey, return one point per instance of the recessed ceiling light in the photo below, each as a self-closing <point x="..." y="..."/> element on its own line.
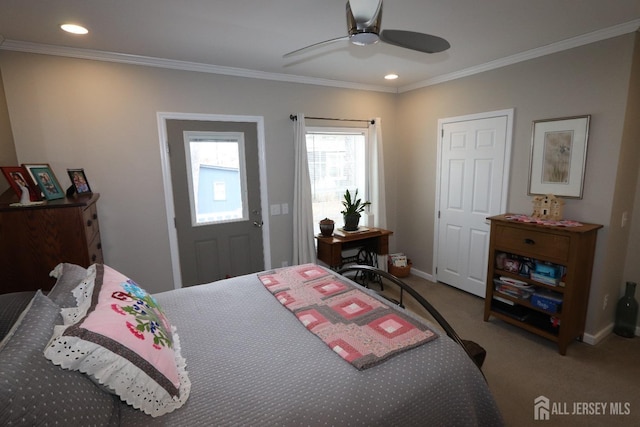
<point x="391" y="76"/>
<point x="74" y="29"/>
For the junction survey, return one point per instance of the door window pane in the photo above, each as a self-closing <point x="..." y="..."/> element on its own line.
<point x="337" y="162"/>
<point x="217" y="179"/>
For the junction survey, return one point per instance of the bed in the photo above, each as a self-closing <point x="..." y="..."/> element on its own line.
<point x="250" y="361"/>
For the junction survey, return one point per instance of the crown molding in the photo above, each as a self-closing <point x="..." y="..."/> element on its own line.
<point x="96" y="55"/>
<point x="596" y="36"/>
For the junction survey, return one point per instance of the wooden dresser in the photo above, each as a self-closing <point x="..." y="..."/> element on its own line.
<point x="569" y="251"/>
<point x="33" y="240"/>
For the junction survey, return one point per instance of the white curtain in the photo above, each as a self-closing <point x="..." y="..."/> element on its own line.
<point x="378" y="200"/>
<point x="304" y="249"/>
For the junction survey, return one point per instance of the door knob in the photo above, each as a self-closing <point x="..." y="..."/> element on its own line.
<point x="258" y="224"/>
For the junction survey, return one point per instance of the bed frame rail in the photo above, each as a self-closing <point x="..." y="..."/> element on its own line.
<point x="473" y="350"/>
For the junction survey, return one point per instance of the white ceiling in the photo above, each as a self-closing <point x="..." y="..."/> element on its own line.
<point x="249" y="37"/>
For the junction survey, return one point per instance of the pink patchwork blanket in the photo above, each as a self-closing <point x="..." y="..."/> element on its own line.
<point x="362" y="329"/>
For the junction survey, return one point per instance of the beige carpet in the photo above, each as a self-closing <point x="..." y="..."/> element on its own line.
<point x="521" y="366"/>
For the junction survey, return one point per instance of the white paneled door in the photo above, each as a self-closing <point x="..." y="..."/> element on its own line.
<point x="474" y="154"/>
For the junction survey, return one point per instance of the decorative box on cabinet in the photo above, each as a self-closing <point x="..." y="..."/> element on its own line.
<point x="33" y="240"/>
<point x="569" y="248"/>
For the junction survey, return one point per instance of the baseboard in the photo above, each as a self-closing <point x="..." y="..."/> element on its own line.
<point x="422" y="274"/>
<point x="599" y="336"/>
<point x="602" y="334"/>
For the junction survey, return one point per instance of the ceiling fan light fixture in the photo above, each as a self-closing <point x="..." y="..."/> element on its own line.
<point x="363" y="29"/>
<point x="364" y="39"/>
<point x="74" y="29"/>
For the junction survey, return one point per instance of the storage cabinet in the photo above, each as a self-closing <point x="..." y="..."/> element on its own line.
<point x="33" y="240"/>
<point x="563" y="254"/>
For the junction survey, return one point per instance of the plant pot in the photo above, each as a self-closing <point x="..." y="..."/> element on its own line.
<point x="326" y="227"/>
<point x="351" y="222"/>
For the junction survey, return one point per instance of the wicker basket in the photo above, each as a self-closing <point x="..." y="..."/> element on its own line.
<point x="400" y="271"/>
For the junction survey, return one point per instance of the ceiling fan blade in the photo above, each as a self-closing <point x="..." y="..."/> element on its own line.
<point x="303" y="49"/>
<point x="415" y="41"/>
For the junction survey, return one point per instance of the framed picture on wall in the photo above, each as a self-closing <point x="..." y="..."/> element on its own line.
<point x="20" y="180"/>
<point x="559" y="156"/>
<point x="45" y="178"/>
<point x="79" y="181"/>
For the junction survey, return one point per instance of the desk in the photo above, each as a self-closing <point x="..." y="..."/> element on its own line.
<point x="330" y="248"/>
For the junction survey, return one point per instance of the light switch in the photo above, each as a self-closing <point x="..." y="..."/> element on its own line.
<point x="285" y="209"/>
<point x="275" y="209"/>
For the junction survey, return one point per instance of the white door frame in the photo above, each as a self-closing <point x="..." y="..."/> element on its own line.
<point x="505" y="178"/>
<point x="168" y="186"/>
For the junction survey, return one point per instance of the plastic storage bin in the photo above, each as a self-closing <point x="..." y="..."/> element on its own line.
<point x="547" y="301"/>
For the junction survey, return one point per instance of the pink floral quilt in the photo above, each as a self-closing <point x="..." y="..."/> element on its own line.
<point x="359" y="327"/>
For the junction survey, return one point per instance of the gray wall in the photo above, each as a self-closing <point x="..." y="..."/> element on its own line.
<point x="102" y="117"/>
<point x="592" y="79"/>
<point x="7" y="149"/>
<point x="632" y="135"/>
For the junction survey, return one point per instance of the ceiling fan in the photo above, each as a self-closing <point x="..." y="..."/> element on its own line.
<point x="363" y="24"/>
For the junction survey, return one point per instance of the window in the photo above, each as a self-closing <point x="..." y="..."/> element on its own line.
<point x="337" y="162"/>
<point x="217" y="179"/>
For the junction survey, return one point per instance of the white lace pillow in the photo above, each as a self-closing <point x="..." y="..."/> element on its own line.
<point x="119" y="335"/>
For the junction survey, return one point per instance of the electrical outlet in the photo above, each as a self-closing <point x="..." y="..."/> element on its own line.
<point x="605" y="302"/>
<point x="285" y="263"/>
<point x="625" y="219"/>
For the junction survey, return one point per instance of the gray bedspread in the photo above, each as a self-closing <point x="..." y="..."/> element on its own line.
<point x="252" y="363"/>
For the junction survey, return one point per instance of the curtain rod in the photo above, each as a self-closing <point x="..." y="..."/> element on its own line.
<point x="294" y="117"/>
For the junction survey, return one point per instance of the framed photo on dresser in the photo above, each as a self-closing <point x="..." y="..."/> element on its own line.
<point x="79" y="181"/>
<point x="20" y="180"/>
<point x="43" y="175"/>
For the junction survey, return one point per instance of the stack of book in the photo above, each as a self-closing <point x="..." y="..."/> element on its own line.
<point x="549" y="274"/>
<point x="399" y="265"/>
<point x="513" y="287"/>
<point x="398" y="260"/>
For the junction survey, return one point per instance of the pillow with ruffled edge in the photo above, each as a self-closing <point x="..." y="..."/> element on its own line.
<point x="68" y="277"/>
<point x="119" y="335"/>
<point x="33" y="391"/>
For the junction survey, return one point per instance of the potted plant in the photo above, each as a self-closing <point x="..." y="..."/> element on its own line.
<point x="353" y="206"/>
